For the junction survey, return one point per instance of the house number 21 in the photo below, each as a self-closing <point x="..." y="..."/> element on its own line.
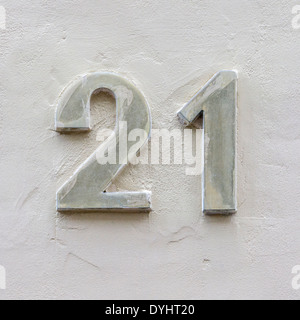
<point x="85" y="191"/>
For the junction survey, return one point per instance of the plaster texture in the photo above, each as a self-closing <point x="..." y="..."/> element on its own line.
<point x="169" y="50"/>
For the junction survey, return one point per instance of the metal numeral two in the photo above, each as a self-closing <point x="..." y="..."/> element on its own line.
<point x="85" y="190"/>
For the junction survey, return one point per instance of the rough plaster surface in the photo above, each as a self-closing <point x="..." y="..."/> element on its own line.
<point x="168" y="49"/>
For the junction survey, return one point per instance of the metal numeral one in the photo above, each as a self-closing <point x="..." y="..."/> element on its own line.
<point x="217" y="102"/>
<point x="86" y="189"/>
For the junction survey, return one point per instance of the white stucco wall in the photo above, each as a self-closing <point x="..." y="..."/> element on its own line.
<point x="169" y="49"/>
